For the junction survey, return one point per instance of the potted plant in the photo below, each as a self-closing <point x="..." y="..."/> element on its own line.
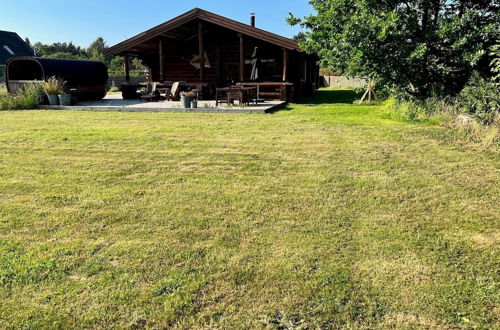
<point x="64" y="96"/>
<point x="52" y="88"/>
<point x="187" y="98"/>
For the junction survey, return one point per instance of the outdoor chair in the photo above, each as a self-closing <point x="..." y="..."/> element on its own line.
<point x="235" y="93"/>
<point x="174" y="93"/>
<point x="151" y="94"/>
<point x="220" y="96"/>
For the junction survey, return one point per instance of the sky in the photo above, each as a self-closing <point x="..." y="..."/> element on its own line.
<point x="84" y="21"/>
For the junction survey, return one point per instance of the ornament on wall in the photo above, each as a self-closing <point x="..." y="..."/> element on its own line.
<point x="195" y="62"/>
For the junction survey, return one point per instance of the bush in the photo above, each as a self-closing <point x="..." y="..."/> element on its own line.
<point x="53" y="86"/>
<point x="463" y="128"/>
<point x="28" y="98"/>
<point x="416" y="110"/>
<point x="480" y="99"/>
<point x="471" y="117"/>
<point x="3" y="90"/>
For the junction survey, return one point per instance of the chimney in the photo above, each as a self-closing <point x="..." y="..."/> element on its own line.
<point x="252" y="19"/>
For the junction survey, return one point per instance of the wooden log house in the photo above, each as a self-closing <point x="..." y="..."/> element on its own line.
<point x="206" y="50"/>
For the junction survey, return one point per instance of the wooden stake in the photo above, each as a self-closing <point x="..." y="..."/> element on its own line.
<point x="370" y="92"/>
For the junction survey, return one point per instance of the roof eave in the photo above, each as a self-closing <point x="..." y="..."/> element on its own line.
<point x="210" y="18"/>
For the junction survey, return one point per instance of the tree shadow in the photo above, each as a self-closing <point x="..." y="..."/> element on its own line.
<point x="328" y="96"/>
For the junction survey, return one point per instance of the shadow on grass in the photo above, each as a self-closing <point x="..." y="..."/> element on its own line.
<point x="325" y="96"/>
<point x="332" y="97"/>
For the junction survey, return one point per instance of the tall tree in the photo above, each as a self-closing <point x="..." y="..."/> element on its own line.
<point x="96" y="49"/>
<point x="422" y="46"/>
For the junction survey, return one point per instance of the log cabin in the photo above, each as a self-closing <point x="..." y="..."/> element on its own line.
<point x="205" y="50"/>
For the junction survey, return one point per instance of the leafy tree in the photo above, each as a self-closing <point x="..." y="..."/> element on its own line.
<point x="424" y="47"/>
<point x="300" y="37"/>
<point x="96" y="49"/>
<point x="67" y="56"/>
<point x="58" y="47"/>
<point x="116" y="66"/>
<point x="94" y="52"/>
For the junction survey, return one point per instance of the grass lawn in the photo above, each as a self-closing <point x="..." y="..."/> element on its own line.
<point x="328" y="215"/>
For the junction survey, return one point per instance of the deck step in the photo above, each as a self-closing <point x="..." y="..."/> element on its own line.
<point x="270" y="94"/>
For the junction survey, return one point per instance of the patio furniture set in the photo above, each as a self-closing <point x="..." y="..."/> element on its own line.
<point x="154" y="92"/>
<point x="244" y="95"/>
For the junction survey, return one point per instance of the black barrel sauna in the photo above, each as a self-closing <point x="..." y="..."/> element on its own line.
<point x="86" y="79"/>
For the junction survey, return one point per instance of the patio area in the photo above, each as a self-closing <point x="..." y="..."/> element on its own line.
<point x="115" y="102"/>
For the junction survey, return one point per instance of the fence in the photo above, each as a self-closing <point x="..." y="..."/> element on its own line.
<point x="343" y="82"/>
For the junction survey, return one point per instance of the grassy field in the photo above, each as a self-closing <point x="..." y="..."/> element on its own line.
<point x="322" y="215"/>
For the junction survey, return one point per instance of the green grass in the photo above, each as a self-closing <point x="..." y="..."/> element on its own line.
<point x="327" y="215"/>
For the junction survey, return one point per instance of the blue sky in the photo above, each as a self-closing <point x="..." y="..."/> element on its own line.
<point x="83" y="21"/>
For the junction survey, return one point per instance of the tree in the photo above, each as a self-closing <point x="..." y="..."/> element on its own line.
<point x="116" y="67"/>
<point x="66" y="56"/>
<point x="44" y="50"/>
<point x="423" y="47"/>
<point x="96" y="49"/>
<point x="300" y="37"/>
<point x="94" y="52"/>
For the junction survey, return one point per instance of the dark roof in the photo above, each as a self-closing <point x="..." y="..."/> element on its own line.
<point x="11" y="41"/>
<point x="206" y="16"/>
<point x="72" y="71"/>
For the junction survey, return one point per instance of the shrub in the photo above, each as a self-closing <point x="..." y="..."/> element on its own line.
<point x="467" y="129"/>
<point x="28" y="98"/>
<point x="480" y="99"/>
<point x="3" y="90"/>
<point x="416" y="110"/>
<point x="53" y="86"/>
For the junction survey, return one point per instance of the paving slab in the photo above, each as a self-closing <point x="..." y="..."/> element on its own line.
<point x="116" y="103"/>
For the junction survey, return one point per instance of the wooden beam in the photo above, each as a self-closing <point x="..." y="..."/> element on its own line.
<point x="285" y="64"/>
<point x="242" y="58"/>
<point x="201" y="47"/>
<point x="218" y="66"/>
<point x="127" y="67"/>
<point x="170" y="36"/>
<point x="194" y="36"/>
<point x="161" y="54"/>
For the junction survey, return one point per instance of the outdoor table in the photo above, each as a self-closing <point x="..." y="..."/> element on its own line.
<point x="249" y="93"/>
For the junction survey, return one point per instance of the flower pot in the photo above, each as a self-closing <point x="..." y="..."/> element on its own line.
<point x="65" y="99"/>
<point x="53" y="99"/>
<point x="186" y="101"/>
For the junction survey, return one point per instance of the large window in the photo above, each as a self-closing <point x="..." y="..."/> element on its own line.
<point x="268" y="68"/>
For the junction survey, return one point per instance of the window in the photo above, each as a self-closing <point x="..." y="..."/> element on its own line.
<point x="7" y="48"/>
